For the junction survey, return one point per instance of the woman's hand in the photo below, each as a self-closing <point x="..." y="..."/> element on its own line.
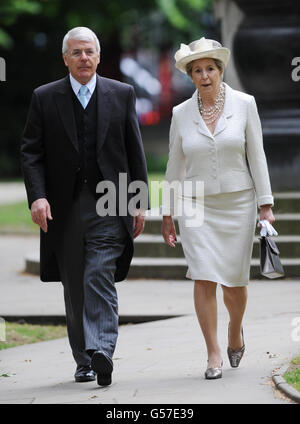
<point x="266" y="213"/>
<point x="168" y="230"/>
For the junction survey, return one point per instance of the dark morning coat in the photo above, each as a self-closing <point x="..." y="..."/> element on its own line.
<point x="50" y="157"/>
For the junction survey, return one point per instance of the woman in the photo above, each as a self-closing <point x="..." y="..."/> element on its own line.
<point x="212" y="137"/>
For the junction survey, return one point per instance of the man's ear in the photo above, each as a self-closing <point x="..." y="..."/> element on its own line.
<point x="64" y="59"/>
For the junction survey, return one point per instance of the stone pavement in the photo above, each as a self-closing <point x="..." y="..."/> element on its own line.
<point x="154" y="362"/>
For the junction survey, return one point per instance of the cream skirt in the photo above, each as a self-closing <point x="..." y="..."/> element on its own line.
<point x="220" y="249"/>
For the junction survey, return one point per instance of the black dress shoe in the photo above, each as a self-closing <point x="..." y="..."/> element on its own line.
<point x="84" y="373"/>
<point x="103" y="366"/>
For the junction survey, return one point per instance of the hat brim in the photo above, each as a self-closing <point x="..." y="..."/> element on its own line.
<point x="221" y="54"/>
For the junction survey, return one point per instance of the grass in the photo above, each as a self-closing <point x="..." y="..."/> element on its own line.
<point x="292" y="375"/>
<point x="12" y="180"/>
<point x="20" y="334"/>
<point x="16" y="217"/>
<point x="155" y="202"/>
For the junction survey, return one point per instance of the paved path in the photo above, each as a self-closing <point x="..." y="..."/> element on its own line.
<point x="12" y="192"/>
<point x="155" y="362"/>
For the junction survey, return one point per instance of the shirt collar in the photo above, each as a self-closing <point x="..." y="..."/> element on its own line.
<point x="90" y="85"/>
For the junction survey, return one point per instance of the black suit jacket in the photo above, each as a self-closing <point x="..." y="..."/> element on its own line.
<point x="50" y="156"/>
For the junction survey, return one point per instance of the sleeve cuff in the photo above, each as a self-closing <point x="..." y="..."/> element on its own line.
<point x="165" y="210"/>
<point x="265" y="200"/>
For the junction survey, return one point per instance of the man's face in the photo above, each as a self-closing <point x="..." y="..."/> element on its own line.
<point x="82" y="59"/>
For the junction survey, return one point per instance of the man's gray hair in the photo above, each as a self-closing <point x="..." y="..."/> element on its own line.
<point x="82" y="34"/>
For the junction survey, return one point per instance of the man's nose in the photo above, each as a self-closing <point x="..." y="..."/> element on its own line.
<point x="83" y="56"/>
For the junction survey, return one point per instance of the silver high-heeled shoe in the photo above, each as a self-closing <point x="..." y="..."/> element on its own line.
<point x="214" y="372"/>
<point x="235" y="355"/>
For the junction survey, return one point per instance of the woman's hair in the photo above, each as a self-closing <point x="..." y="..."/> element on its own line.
<point x="219" y="65"/>
<point x="82" y="34"/>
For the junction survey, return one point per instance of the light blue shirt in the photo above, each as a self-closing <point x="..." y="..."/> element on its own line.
<point x="90" y="85"/>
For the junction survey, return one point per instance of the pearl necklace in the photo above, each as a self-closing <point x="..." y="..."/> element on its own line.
<point x="211" y="113"/>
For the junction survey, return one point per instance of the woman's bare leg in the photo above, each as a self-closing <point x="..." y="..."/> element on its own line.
<point x="235" y="300"/>
<point x="206" y="308"/>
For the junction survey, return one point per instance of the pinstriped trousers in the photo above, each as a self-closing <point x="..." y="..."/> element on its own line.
<point x="90" y="246"/>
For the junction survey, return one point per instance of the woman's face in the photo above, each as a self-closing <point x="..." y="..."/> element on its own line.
<point x="206" y="76"/>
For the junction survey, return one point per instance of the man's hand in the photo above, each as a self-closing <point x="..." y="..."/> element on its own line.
<point x="40" y="212"/>
<point x="138" y="223"/>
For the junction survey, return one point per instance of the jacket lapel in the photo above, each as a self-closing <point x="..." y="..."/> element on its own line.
<point x="65" y="107"/>
<point x="197" y="118"/>
<point x="227" y="112"/>
<point x="104" y="106"/>
<point x="221" y="125"/>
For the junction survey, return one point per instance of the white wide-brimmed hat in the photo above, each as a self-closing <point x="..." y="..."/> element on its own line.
<point x="200" y="49"/>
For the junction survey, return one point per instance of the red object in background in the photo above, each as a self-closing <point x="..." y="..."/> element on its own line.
<point x="150" y="118"/>
<point x="165" y="79"/>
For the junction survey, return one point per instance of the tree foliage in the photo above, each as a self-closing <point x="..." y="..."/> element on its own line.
<point x="110" y="17"/>
<point x="31" y="33"/>
<point x="10" y="10"/>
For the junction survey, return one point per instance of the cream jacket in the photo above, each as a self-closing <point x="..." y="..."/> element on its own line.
<point x="218" y="159"/>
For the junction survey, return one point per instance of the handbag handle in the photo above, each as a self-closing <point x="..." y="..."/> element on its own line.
<point x="272" y="245"/>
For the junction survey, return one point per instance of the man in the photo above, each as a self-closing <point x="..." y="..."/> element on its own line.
<point x="82" y="130"/>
